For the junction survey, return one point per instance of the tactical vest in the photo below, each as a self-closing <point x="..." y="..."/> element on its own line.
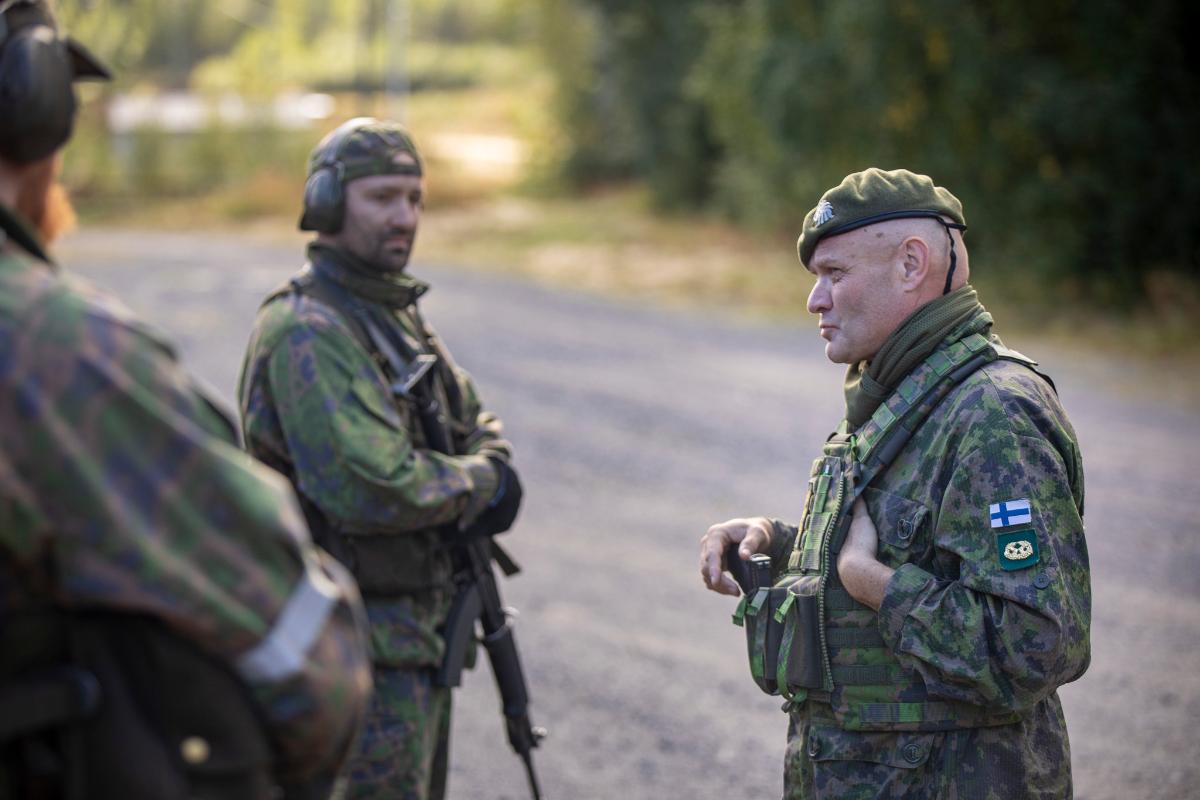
<point x="385" y="565"/>
<point x="807" y="638"/>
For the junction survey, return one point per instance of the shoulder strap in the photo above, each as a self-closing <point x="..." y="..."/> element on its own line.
<point x="406" y="369"/>
<point x="1008" y="354"/>
<point x="400" y="365"/>
<point x="307" y="283"/>
<point x="877" y="443"/>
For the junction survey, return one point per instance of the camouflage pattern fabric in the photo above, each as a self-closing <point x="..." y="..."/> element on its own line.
<point x="366" y="146"/>
<point x="964" y="624"/>
<point x="1024" y="760"/>
<point x="122" y="489"/>
<point x="404" y="750"/>
<point x="318" y="408"/>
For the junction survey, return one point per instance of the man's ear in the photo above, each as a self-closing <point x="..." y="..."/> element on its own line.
<point x="914" y="263"/>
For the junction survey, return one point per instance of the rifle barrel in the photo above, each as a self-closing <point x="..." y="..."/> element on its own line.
<point x="534" y="789"/>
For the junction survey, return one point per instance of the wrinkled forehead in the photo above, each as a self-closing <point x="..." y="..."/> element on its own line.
<point x="853" y="248"/>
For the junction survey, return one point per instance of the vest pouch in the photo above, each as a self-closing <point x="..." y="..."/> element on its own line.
<point x="390" y="564"/>
<point x="783" y="635"/>
<point x="763" y="635"/>
<point x="800" y="664"/>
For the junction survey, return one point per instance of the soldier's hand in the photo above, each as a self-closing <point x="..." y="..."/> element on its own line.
<point x="502" y="509"/>
<point x="864" y="577"/>
<point x="862" y="540"/>
<point x="754" y="536"/>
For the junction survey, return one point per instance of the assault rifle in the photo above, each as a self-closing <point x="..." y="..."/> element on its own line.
<point x="477" y="596"/>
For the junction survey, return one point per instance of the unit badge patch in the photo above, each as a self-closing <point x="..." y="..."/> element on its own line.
<point x="1010" y="512"/>
<point x="1017" y="549"/>
<point x="823" y="214"/>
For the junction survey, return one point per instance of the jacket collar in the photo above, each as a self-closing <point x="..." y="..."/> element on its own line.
<point x="392" y="289"/>
<point x="14" y="227"/>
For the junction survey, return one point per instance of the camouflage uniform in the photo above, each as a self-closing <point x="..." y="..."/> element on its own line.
<point x="316" y="405"/>
<point x="963" y="627"/>
<point x="123" y="493"/>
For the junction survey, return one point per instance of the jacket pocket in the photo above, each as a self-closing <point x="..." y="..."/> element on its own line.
<point x="900" y="749"/>
<point x="874" y="764"/>
<point x="902" y="524"/>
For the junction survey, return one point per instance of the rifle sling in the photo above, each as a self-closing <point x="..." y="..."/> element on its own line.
<point x="370" y="336"/>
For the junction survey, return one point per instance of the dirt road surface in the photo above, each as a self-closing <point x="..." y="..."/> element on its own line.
<point x="635" y="429"/>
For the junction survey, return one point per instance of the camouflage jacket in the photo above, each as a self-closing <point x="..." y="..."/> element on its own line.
<point x="974" y="620"/>
<point x="122" y="489"/>
<point x="316" y="405"/>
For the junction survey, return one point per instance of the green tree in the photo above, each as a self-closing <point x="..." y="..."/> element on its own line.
<point x="1067" y="127"/>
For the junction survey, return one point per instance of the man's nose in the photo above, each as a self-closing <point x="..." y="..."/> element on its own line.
<point x="404" y="215"/>
<point x="819" y="300"/>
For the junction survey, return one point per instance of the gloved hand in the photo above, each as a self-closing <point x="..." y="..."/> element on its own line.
<point x="502" y="509"/>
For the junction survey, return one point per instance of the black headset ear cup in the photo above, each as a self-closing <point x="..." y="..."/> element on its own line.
<point x="324" y="193"/>
<point x="324" y="203"/>
<point x="37" y="98"/>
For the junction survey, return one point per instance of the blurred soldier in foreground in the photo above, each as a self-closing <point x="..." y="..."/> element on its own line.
<point x="936" y="593"/>
<point x="347" y="391"/>
<point x="167" y="628"/>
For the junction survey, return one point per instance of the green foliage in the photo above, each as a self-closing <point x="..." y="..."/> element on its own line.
<point x="621" y="64"/>
<point x="157" y="40"/>
<point x="253" y="50"/>
<point x="150" y="163"/>
<point x="1069" y="129"/>
<point x="599" y="135"/>
<point x="258" y="46"/>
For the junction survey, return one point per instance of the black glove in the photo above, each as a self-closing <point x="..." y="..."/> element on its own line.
<point x="502" y="509"/>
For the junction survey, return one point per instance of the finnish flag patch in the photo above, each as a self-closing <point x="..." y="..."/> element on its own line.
<point x="1010" y="512"/>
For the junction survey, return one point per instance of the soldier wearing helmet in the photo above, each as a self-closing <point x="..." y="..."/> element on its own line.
<point x="347" y="390"/>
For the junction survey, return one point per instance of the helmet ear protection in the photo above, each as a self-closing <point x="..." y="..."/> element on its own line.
<point x="37" y="69"/>
<point x="325" y="190"/>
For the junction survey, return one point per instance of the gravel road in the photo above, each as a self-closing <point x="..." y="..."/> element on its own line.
<point x="635" y="429"/>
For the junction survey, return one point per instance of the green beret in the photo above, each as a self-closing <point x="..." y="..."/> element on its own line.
<point x="366" y="146"/>
<point x="871" y="196"/>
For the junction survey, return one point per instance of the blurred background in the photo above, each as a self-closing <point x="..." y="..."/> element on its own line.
<point x="671" y="148"/>
<point x="614" y="192"/>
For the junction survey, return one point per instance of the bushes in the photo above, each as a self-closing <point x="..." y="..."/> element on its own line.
<point x="1069" y="129"/>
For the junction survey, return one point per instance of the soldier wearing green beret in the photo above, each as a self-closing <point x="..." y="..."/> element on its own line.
<point x="347" y="390"/>
<point x="168" y="630"/>
<point x="935" y="593"/>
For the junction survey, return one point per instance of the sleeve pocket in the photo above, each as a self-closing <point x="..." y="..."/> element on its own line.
<point x="366" y="394"/>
